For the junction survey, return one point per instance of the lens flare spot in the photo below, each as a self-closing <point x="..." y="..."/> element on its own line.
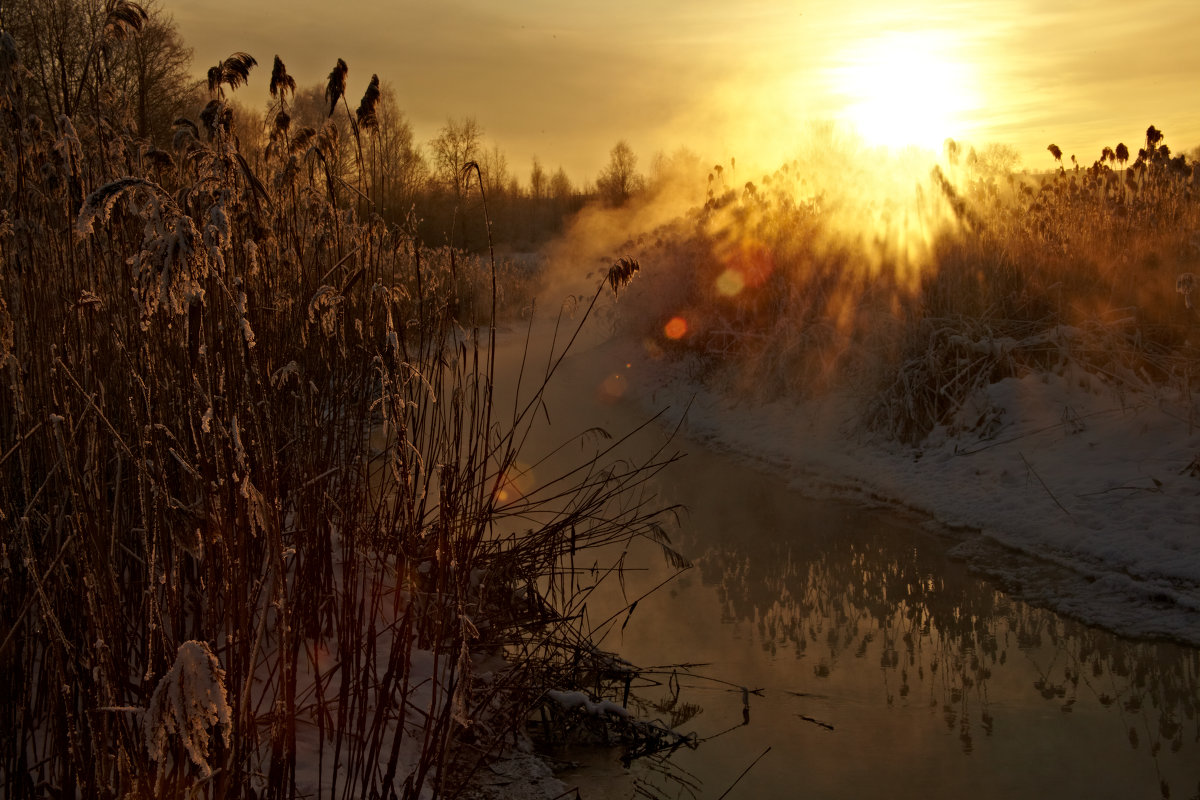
<point x="613" y="388"/>
<point x="730" y="283"/>
<point x="676" y="328"/>
<point x="513" y="484"/>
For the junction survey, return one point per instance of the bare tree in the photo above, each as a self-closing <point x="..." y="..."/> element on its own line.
<point x="537" y="180"/>
<point x="455" y="146"/>
<point x="72" y="46"/>
<point x="496" y="178"/>
<point x="619" y="181"/>
<point x="560" y="187"/>
<point x="151" y="73"/>
<point x="402" y="173"/>
<point x="53" y="39"/>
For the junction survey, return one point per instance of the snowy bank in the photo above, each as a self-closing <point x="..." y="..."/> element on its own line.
<point x="1063" y="491"/>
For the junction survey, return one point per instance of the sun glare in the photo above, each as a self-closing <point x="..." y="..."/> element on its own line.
<point x="905" y="88"/>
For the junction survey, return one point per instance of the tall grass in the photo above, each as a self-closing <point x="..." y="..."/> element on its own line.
<point x="250" y="461"/>
<point x="834" y="273"/>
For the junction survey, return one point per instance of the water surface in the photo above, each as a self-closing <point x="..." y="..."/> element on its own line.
<point x="875" y="665"/>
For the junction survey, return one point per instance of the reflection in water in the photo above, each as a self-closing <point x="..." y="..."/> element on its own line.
<point x="870" y="664"/>
<point x="858" y="622"/>
<point x="940" y="639"/>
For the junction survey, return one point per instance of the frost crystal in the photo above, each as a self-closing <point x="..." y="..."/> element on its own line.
<point x="67" y="146"/>
<point x="189" y="699"/>
<point x="573" y="700"/>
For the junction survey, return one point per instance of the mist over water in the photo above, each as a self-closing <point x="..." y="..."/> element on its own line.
<point x="874" y="663"/>
<point x="878" y="665"/>
<point x="836" y="223"/>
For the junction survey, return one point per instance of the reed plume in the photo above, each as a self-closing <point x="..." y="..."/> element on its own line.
<point x="335" y="88"/>
<point x="123" y="19"/>
<point x="366" y="114"/>
<point x="281" y="82"/>
<point x="233" y="72"/>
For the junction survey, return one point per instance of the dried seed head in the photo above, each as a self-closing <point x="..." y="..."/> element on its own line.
<point x="214" y="114"/>
<point x="336" y="87"/>
<point x="281" y="82"/>
<point x="621" y="273"/>
<point x="158" y="159"/>
<point x="283" y="121"/>
<point x="303" y="139"/>
<point x="123" y="19"/>
<point x="232" y="72"/>
<point x="366" y="114"/>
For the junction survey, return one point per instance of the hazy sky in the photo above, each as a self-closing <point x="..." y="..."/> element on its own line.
<point x="565" y="79"/>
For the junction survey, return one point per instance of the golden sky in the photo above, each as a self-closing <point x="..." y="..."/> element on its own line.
<point x="565" y="79"/>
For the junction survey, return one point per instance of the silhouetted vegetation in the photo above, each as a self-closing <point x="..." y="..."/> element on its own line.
<point x="255" y="538"/>
<point x="794" y="283"/>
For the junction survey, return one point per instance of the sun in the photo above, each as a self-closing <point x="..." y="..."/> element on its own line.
<point x="905" y="88"/>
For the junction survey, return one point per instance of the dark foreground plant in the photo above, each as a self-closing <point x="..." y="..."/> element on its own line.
<point x="255" y="538"/>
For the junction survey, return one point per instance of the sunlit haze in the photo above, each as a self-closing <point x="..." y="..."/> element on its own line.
<point x="564" y="81"/>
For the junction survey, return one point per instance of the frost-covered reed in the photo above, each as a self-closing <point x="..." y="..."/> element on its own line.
<point x="250" y="455"/>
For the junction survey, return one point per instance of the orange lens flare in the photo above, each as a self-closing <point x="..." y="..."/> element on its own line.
<point x="676" y="328"/>
<point x="514" y="484"/>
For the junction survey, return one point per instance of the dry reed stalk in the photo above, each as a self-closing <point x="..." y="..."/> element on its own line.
<point x="196" y="466"/>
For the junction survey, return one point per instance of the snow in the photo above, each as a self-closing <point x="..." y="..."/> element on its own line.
<point x="1071" y="495"/>
<point x="571" y="700"/>
<point x="188" y="700"/>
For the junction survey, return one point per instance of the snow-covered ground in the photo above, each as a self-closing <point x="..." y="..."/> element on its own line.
<point x="1075" y="497"/>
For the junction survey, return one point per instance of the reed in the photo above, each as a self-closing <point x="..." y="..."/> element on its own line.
<point x="250" y="460"/>
<point x="806" y="281"/>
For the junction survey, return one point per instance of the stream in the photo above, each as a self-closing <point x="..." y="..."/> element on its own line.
<point x="874" y="664"/>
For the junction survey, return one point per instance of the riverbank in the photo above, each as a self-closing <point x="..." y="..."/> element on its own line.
<point x="1070" y="495"/>
<point x="758" y="554"/>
